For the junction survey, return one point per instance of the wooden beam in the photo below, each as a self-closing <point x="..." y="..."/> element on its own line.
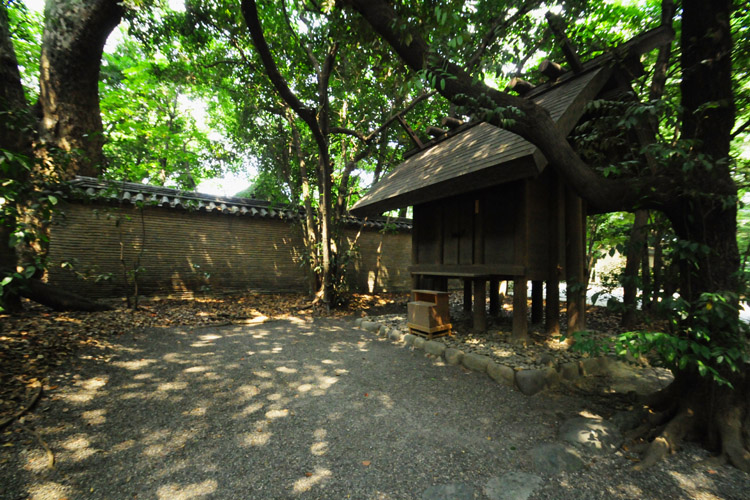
<point x="520" y="310"/>
<point x="494" y="296"/>
<point x="574" y="261"/>
<point x="467" y="295"/>
<point x="480" y="301"/>
<point x="435" y="131"/>
<point x="412" y="135"/>
<point x="551" y="69"/>
<point x="554" y="263"/>
<point x="520" y="86"/>
<point x="537" y="302"/>
<point x="557" y="25"/>
<point x="451" y="122"/>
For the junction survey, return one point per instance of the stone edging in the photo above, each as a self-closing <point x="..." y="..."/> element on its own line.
<point x="528" y="381"/>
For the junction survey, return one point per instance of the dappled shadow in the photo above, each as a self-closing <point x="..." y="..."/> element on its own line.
<point x="286" y="409"/>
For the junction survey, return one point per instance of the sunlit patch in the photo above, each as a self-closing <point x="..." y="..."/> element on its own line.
<point x="257" y="438"/>
<point x="248" y="391"/>
<point x="386" y="400"/>
<point x="176" y="492"/>
<point x="155" y="450"/>
<point x="49" y="490"/>
<point x="134" y="365"/>
<point x="125" y="445"/>
<point x="94" y="417"/>
<point x="93" y="383"/>
<point x="196" y="369"/>
<point x="249" y="410"/>
<point x="691" y="485"/>
<point x="319" y="449"/>
<point x="326" y="382"/>
<point x="306" y="483"/>
<point x="274" y="397"/>
<point x="196" y="412"/>
<point x="172" y="386"/>
<point x="272" y="414"/>
<point x="297" y="321"/>
<point x="263" y="374"/>
<point x="231" y="366"/>
<point x="142" y="376"/>
<point x="328" y="362"/>
<point x="36" y="461"/>
<point x="284" y="369"/>
<point x="305" y="388"/>
<point x="128" y="387"/>
<point x="210" y="336"/>
<point x="320" y="434"/>
<point x="588" y="414"/>
<point x="79" y="447"/>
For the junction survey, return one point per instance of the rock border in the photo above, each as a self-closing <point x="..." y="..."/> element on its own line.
<point x="527" y="381"/>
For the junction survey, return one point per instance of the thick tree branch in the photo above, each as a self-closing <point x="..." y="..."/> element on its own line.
<point x="497" y="29"/>
<point x="373" y="134"/>
<point x="533" y="123"/>
<point x="250" y="13"/>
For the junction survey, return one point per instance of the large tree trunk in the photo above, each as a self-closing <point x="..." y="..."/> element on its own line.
<point x="700" y="405"/>
<point x="15" y="135"/>
<point x="74" y="36"/>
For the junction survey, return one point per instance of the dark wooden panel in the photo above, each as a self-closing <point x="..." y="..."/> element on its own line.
<point x="500" y="205"/>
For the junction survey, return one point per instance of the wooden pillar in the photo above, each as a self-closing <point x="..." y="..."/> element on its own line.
<point x="555" y="247"/>
<point x="415" y="278"/>
<point x="574" y="262"/>
<point x="520" y="310"/>
<point x="480" y="300"/>
<point x="494" y="297"/>
<point x="467" y="295"/>
<point x="537" y="302"/>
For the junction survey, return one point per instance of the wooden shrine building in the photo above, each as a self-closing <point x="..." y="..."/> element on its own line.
<point x="487" y="208"/>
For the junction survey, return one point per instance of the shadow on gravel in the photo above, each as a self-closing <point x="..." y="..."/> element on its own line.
<point x="289" y="409"/>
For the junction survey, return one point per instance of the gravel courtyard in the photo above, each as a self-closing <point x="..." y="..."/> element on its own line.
<point x="302" y="408"/>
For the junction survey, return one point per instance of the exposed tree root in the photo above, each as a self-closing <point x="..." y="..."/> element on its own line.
<point x="669" y="439"/>
<point x="47" y="450"/>
<point x="57" y="299"/>
<point x="23" y="411"/>
<point x="732" y="443"/>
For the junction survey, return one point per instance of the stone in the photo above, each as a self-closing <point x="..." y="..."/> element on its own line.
<point x="514" y="485"/>
<point x="358" y="322"/>
<point x="500" y="373"/>
<point x="597" y="435"/>
<point x="455" y="491"/>
<point x="370" y="326"/>
<point x="434" y="347"/>
<point x="570" y="370"/>
<point x="419" y="343"/>
<point x="409" y="339"/>
<point x="546" y="359"/>
<point x="383" y="331"/>
<point x="395" y="335"/>
<point x="530" y="382"/>
<point x="453" y="356"/>
<point x="554" y="458"/>
<point x="551" y="377"/>
<point x="475" y="362"/>
<point x="592" y="366"/>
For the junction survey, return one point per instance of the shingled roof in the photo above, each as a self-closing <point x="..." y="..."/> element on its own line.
<point x="133" y="193"/>
<point x="483" y="155"/>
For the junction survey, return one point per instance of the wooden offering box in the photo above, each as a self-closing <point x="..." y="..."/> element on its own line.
<point x="429" y="315"/>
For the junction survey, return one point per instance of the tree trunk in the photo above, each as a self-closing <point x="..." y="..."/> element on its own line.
<point x="57" y="299"/>
<point x="630" y="278"/>
<point x="15" y="136"/>
<point x="706" y="223"/>
<point x="74" y="36"/>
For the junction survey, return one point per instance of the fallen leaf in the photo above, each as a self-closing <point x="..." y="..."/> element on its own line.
<point x="308" y="474"/>
<point x="365" y="394"/>
<point x="366" y="463"/>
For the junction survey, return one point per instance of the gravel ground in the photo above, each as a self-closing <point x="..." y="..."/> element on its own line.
<point x="308" y="409"/>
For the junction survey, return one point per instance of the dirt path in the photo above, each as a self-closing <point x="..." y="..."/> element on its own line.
<point x="308" y="409"/>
